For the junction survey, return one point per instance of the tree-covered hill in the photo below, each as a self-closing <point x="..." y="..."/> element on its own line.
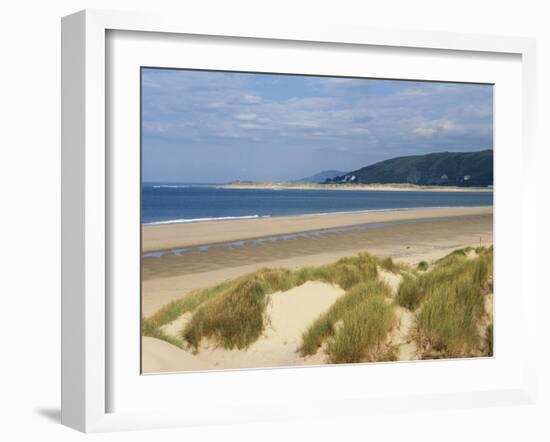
<point x="442" y="168"/>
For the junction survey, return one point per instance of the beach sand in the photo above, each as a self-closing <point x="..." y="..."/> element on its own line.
<point x="171" y="277"/>
<point x="169" y="236"/>
<point x="410" y="236"/>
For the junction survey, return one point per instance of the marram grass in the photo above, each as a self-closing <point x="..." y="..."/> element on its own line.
<point x="423" y="266"/>
<point x="446" y="296"/>
<point x="410" y="292"/>
<point x="325" y="326"/>
<point x="452" y="306"/>
<point x="235" y="318"/>
<point x="178" y="307"/>
<point x="232" y="314"/>
<point x="448" y="321"/>
<point x="414" y="290"/>
<point x="364" y="331"/>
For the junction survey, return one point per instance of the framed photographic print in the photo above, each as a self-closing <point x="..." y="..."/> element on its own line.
<point x="250" y="213"/>
<point x="296" y="220"/>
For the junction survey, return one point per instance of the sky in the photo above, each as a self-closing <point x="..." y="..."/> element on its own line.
<point x="216" y="127"/>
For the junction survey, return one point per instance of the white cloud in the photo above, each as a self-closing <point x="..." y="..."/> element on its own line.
<point x="332" y="113"/>
<point x="428" y="129"/>
<point x="250" y="126"/>
<point x="427" y="132"/>
<point x="252" y="99"/>
<point x="311" y="124"/>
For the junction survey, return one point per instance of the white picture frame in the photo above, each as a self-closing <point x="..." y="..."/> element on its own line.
<point x="87" y="202"/>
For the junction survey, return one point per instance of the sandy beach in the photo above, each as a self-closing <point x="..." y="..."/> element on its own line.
<point x="169" y="236"/>
<point x="407" y="236"/>
<point x="415" y="235"/>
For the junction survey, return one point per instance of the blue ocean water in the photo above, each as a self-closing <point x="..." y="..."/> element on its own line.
<point x="171" y="203"/>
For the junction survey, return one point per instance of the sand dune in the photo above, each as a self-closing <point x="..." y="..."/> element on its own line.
<point x="289" y="313"/>
<point x="159" y="356"/>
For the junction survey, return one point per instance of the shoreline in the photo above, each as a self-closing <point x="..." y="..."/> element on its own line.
<point x="354" y="187"/>
<point x="170" y="236"/>
<point x="344" y="212"/>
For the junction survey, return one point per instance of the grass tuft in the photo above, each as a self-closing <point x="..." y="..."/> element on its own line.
<point x="178" y="307"/>
<point x="454" y="257"/>
<point x="410" y="293"/>
<point x="452" y="304"/>
<point x="235" y="318"/>
<point x="363" y="333"/>
<point x="324" y="327"/>
<point x="413" y="291"/>
<point x="448" y="321"/>
<point x="422" y="265"/>
<point x="346" y="272"/>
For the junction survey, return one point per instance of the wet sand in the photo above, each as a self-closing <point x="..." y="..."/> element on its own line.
<point x="410" y="236"/>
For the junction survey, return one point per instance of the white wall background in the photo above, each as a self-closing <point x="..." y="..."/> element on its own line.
<point x="30" y="219"/>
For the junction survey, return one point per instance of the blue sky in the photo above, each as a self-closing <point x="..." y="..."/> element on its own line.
<point x="216" y="126"/>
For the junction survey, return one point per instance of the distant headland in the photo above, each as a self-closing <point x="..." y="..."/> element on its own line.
<point x="442" y="171"/>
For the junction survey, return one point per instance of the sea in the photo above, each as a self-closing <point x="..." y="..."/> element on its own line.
<point x="166" y="203"/>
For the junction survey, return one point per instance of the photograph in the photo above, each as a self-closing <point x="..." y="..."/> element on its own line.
<point x="303" y="220"/>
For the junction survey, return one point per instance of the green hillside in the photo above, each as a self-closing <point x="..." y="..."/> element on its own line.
<point x="442" y="169"/>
